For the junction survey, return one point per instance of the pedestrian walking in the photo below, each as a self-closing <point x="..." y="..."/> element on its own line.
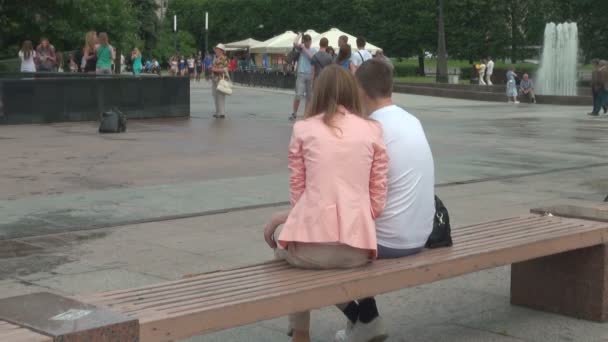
<point x="136" y="59"/>
<point x="511" y="86"/>
<point x="208" y="64"/>
<point x="27" y="55"/>
<point x="360" y="56"/>
<point x="191" y="67"/>
<point x="321" y="59"/>
<point x="489" y="71"/>
<point x="304" y="72"/>
<point x="599" y="83"/>
<point x="482" y="72"/>
<point x="105" y="55"/>
<point x="219" y="69"/>
<point x="199" y="66"/>
<point x="45" y="56"/>
<point x="183" y="66"/>
<point x="344" y="55"/>
<point x="89" y="53"/>
<point x="72" y="63"/>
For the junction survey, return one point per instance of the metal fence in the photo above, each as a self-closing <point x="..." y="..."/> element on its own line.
<point x="268" y="79"/>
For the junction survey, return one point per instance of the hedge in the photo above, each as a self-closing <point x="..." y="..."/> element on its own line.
<point x="405" y="70"/>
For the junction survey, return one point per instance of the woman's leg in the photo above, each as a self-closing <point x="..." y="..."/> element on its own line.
<point x="214" y="92"/>
<point x="316" y="256"/>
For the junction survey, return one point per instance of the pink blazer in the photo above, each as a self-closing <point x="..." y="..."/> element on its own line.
<point x="338" y="182"/>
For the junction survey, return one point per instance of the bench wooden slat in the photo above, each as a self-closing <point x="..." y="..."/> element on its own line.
<point x="205" y="296"/>
<point x="14" y="333"/>
<point x="197" y="321"/>
<point x="260" y="269"/>
<point x="199" y="288"/>
<point x="219" y="300"/>
<point x="319" y="278"/>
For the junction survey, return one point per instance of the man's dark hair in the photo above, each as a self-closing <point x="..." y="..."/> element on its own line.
<point x="375" y="78"/>
<point x="306" y="38"/>
<point x="361" y="42"/>
<point x="324" y="43"/>
<point x="344" y="38"/>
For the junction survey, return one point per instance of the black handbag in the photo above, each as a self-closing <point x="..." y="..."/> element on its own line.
<point x="441" y="236"/>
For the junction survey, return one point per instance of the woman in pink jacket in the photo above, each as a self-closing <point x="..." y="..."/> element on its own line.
<point x="339" y="167"/>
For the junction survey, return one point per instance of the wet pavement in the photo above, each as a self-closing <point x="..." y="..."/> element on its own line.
<point x="65" y="177"/>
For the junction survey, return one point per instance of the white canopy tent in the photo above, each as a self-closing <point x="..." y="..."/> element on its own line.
<point x="333" y="34"/>
<point x="280" y="44"/>
<point x="242" y="44"/>
<point x="312" y="33"/>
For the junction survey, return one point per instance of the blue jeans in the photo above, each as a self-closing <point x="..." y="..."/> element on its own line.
<point x="392" y="253"/>
<point x="600" y="100"/>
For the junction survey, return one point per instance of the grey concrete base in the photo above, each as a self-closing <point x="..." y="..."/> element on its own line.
<point x="481" y="93"/>
<point x="65" y="99"/>
<point x="67" y="320"/>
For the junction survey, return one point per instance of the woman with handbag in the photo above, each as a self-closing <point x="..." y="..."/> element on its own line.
<point x="219" y="70"/>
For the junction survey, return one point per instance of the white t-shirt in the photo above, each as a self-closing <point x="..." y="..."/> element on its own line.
<point x="407" y="219"/>
<point x="191" y="63"/>
<point x="360" y="56"/>
<point x="27" y="64"/>
<point x="490" y="68"/>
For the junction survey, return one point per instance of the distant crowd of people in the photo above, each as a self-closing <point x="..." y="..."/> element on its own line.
<point x="97" y="56"/>
<point x="309" y="62"/>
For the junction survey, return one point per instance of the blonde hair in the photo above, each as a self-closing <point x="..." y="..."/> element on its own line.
<point x="90" y="39"/>
<point x="334" y="87"/>
<point x="136" y="52"/>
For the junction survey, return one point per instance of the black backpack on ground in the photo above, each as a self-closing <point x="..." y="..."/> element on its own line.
<point x="113" y="121"/>
<point x="441" y="236"/>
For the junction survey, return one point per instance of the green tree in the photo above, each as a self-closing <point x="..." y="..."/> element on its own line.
<point x="148" y="23"/>
<point x="168" y="41"/>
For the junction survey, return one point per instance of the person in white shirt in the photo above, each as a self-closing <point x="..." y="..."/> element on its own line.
<point x="489" y="71"/>
<point x="359" y="56"/>
<point x="405" y="224"/>
<point x="27" y="54"/>
<point x="482" y="72"/>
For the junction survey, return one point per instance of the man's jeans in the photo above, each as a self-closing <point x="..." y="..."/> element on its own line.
<point x="600" y="99"/>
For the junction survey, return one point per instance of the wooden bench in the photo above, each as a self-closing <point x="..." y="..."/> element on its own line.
<point x="558" y="265"/>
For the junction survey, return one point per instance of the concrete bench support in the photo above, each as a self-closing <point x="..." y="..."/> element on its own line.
<point x="67" y="320"/>
<point x="573" y="283"/>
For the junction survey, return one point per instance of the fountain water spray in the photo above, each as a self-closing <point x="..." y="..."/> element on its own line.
<point x="557" y="74"/>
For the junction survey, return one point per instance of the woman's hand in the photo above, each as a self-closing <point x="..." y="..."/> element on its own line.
<point x="276" y="220"/>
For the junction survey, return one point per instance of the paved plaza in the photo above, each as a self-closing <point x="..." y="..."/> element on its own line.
<point x="82" y="212"/>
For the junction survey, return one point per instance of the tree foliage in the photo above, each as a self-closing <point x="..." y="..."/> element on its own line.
<point x="474" y="28"/>
<point x="65" y="22"/>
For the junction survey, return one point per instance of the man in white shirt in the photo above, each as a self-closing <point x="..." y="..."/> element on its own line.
<point x="359" y="56"/>
<point x="407" y="220"/>
<point x="489" y="70"/>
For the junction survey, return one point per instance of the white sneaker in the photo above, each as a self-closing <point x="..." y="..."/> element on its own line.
<point x="374" y="331"/>
<point x="516" y="102"/>
<point x="342" y="335"/>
